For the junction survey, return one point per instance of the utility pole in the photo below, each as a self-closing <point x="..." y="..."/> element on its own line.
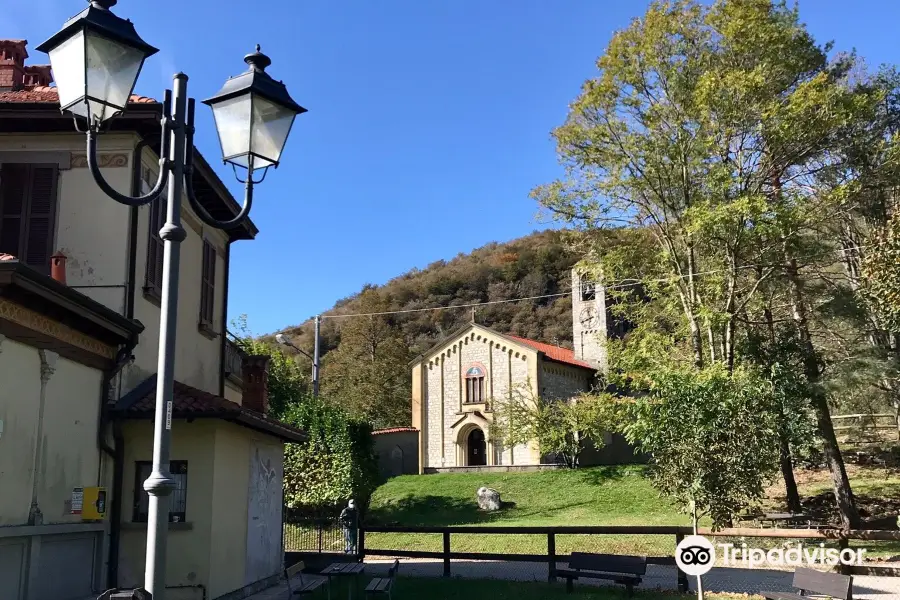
<point x="315" y="362"/>
<point x="285" y="341"/>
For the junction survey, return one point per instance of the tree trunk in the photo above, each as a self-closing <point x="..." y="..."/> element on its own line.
<point x="790" y="484"/>
<point x="786" y="460"/>
<point x="843" y="494"/>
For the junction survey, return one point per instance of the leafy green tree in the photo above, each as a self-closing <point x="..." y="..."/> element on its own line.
<point x="336" y="464"/>
<point x="368" y="373"/>
<point x="706" y="128"/>
<point x="561" y="427"/>
<point x="713" y="436"/>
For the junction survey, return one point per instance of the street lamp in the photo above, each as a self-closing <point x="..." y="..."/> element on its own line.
<point x="286" y="341"/>
<point x="96" y="59"/>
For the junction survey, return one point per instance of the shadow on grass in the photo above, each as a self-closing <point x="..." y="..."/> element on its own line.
<point x="601" y="475"/>
<point x="430" y="510"/>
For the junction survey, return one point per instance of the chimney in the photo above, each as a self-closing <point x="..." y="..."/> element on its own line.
<point x="58" y="267"/>
<point x="255" y="370"/>
<point x="37" y="76"/>
<point x="12" y="64"/>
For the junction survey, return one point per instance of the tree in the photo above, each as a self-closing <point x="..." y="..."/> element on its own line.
<point x="713" y="436"/>
<point x="337" y="463"/>
<point x="368" y="373"/>
<point x="561" y="427"/>
<point x="706" y="128"/>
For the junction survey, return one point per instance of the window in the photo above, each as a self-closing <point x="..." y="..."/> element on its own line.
<point x="155" y="245"/>
<point x="208" y="285"/>
<point x="178" y="499"/>
<point x="587" y="290"/>
<point x="475" y="385"/>
<point x="28" y="212"/>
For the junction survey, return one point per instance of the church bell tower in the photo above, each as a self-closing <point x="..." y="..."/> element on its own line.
<point x="589" y="328"/>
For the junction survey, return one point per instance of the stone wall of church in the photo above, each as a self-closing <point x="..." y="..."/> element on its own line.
<point x="560" y="381"/>
<point x="442" y="410"/>
<point x="431" y="436"/>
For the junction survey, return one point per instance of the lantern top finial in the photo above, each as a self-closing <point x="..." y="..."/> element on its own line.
<point x="104" y="4"/>
<point x="258" y="61"/>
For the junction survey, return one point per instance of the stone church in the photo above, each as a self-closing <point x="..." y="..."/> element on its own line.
<point x="455" y="382"/>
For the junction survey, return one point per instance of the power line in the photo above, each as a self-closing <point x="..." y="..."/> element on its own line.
<point x="620" y="285"/>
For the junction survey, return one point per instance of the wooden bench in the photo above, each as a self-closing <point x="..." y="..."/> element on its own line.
<point x="383" y="585"/>
<point x="810" y="581"/>
<point x="625" y="570"/>
<point x="306" y="587"/>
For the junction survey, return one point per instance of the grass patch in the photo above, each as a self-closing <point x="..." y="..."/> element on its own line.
<point x="621" y="495"/>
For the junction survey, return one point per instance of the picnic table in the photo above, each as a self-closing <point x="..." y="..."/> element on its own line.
<point x="345" y="569"/>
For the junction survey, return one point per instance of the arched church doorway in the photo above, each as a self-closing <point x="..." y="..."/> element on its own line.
<point x="476" y="449"/>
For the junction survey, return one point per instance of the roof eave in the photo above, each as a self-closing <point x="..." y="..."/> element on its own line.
<point x="21" y="276"/>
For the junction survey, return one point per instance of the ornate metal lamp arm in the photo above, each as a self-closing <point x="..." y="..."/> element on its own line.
<point x="189" y="183"/>
<point x="164" y="163"/>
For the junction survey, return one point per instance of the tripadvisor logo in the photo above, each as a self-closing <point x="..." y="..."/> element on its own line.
<point x="696" y="555"/>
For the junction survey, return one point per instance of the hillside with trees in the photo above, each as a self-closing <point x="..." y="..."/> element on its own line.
<point x="364" y="359"/>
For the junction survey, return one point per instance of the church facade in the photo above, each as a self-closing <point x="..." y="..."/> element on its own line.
<point x="455" y="384"/>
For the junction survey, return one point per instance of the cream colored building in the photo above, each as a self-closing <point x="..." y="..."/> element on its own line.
<point x="456" y="384"/>
<point x="78" y="358"/>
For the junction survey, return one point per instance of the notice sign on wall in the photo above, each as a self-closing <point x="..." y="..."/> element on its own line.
<point x="77" y="500"/>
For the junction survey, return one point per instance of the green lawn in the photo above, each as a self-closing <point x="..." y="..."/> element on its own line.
<point x="593" y="496"/>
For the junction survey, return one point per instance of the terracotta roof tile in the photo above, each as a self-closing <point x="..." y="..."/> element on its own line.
<point x="393" y="430"/>
<point x="563" y="355"/>
<point x="49" y="95"/>
<point x="189" y="402"/>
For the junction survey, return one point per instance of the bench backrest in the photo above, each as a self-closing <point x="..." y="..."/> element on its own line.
<point x="828" y="584"/>
<point x="293" y="570"/>
<point x="393" y="570"/>
<point x="611" y="563"/>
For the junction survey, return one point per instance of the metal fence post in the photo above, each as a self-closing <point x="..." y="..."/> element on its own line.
<point x="551" y="556"/>
<point x="446" y="553"/>
<point x="682" y="577"/>
<point x="361" y="550"/>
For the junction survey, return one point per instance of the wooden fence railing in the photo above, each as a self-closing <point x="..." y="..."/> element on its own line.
<point x="867" y="422"/>
<point x="551" y="557"/>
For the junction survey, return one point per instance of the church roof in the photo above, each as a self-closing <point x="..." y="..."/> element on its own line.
<point x="554" y="353"/>
<point x="550" y="352"/>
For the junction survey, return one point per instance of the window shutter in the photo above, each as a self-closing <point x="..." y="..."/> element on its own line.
<point x="155" y="247"/>
<point x="208" y="284"/>
<point x="28" y="212"/>
<point x="41" y="216"/>
<point x="13" y="188"/>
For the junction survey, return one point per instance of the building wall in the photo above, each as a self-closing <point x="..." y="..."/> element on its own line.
<point x="559" y="381"/>
<point x="231" y="497"/>
<point x="198" y="355"/>
<point x="233" y="392"/>
<point x="92" y="230"/>
<point x="398" y="453"/>
<point x="46" y="456"/>
<point x="188" y="559"/>
<point x="444" y="389"/>
<point x="48" y="447"/>
<point x="20" y="372"/>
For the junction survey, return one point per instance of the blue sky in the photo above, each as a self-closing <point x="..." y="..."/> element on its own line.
<point x="429" y="120"/>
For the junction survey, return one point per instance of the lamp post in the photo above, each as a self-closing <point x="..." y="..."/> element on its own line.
<point x="96" y="59"/>
<point x="286" y="341"/>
